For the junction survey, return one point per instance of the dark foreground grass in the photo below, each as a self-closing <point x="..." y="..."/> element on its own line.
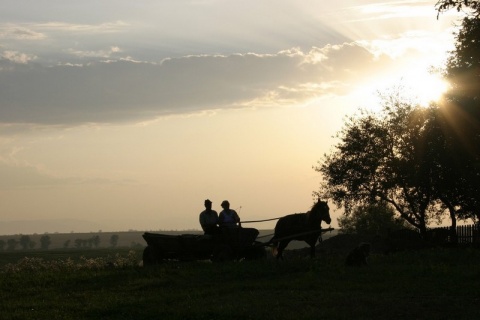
<point x="430" y="284"/>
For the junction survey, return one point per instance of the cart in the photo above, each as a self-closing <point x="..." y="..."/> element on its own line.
<point x="228" y="244"/>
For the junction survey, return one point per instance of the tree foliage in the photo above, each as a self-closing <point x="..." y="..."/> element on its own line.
<point x="45" y="242"/>
<point x="422" y="161"/>
<point x="461" y="118"/>
<point x="386" y="157"/>
<point x="11" y="244"/>
<point x="26" y="242"/>
<point x="375" y="219"/>
<point x="114" y="240"/>
<point x="459" y="5"/>
<point x="95" y="241"/>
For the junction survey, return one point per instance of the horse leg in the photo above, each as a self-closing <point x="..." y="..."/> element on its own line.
<point x="281" y="246"/>
<point x="311" y="242"/>
<point x="274" y="247"/>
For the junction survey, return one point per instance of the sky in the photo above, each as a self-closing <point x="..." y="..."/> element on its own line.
<point x="126" y="115"/>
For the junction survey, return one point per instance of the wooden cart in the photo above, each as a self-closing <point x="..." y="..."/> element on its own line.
<point x="228" y="244"/>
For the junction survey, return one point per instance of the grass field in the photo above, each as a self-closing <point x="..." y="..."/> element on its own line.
<point x="427" y="284"/>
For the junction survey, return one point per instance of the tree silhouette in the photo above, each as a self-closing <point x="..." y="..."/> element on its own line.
<point x="45" y="242"/>
<point x="26" y="242"/>
<point x="461" y="121"/>
<point x="78" y="243"/>
<point x="459" y="5"/>
<point x="114" y="240"/>
<point x="383" y="158"/>
<point x="11" y="244"/>
<point x="96" y="241"/>
<point x="375" y="219"/>
<point x="422" y="162"/>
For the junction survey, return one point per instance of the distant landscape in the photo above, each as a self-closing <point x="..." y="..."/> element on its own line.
<point x="129" y="239"/>
<point x="42" y="226"/>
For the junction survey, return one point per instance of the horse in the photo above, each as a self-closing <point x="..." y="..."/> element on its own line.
<point x="300" y="226"/>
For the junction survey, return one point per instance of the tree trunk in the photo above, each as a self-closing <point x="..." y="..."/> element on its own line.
<point x="453" y="227"/>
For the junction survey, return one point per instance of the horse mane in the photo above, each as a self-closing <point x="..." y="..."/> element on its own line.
<point x="318" y="203"/>
<point x="315" y="211"/>
<point x="311" y="215"/>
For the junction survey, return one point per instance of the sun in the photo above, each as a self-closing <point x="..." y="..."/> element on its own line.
<point x="425" y="87"/>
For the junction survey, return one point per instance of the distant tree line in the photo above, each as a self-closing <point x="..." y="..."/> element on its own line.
<point x="26" y="243"/>
<point x="92" y="242"/>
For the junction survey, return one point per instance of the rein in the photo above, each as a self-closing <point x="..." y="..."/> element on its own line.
<point x="251" y="221"/>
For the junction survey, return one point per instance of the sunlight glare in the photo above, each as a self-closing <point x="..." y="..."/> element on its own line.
<point x="426" y="87"/>
<point x="421" y="87"/>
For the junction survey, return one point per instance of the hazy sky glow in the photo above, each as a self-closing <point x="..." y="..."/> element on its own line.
<point x="131" y="113"/>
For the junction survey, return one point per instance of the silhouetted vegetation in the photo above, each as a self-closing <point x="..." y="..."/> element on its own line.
<point x="459" y="5"/>
<point x="92" y="242"/>
<point x="45" y="242"/>
<point x="384" y="158"/>
<point x="26" y="242"/>
<point x="374" y="220"/>
<point x="114" y="240"/>
<point x="11" y="244"/>
<point x="423" y="162"/>
<point x="461" y="122"/>
<point x="55" y="241"/>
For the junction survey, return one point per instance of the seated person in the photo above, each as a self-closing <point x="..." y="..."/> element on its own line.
<point x="228" y="218"/>
<point x="209" y="219"/>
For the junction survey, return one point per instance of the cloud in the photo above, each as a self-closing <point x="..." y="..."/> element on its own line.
<point x="21" y="175"/>
<point x="392" y="10"/>
<point x="106" y="27"/>
<point x="15" y="32"/>
<point x="121" y="90"/>
<point x="37" y="31"/>
<point x="99" y="53"/>
<point x="17" y="57"/>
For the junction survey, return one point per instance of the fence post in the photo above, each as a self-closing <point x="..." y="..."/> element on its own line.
<point x="476" y="233"/>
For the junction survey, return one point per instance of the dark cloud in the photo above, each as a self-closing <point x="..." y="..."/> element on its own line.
<point x="116" y="91"/>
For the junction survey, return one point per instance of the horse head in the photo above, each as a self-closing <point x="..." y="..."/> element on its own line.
<point x="321" y="208"/>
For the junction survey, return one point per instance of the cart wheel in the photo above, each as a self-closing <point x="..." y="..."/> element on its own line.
<point x="256" y="252"/>
<point x="151" y="256"/>
<point x="222" y="253"/>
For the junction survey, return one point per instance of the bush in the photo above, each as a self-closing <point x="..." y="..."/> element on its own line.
<point x="374" y="219"/>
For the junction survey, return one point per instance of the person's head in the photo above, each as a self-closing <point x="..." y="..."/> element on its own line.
<point x="208" y="204"/>
<point x="225" y="204"/>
